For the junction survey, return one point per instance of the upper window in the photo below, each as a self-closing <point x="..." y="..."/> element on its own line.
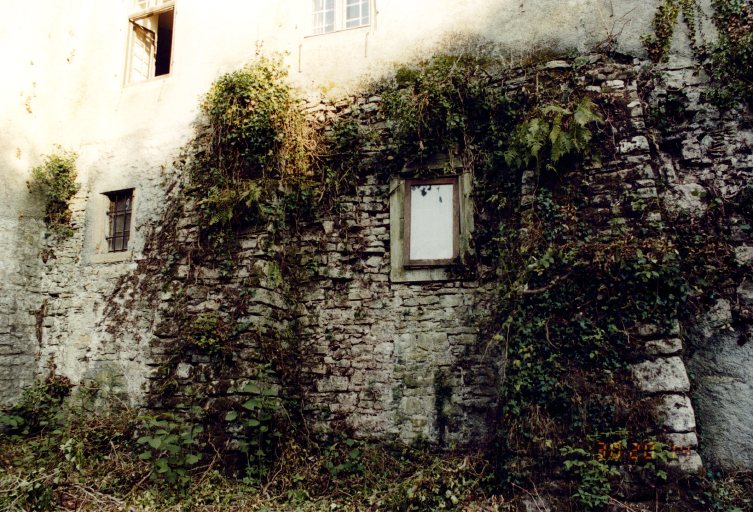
<point x="431" y="221"/>
<point x="119" y="220"/>
<point x="331" y="15"/>
<point x="151" y="39"/>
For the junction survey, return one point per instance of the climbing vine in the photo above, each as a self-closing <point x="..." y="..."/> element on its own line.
<point x="729" y="59"/>
<point x="253" y="156"/>
<point x="569" y="285"/>
<point x="732" y="56"/>
<point x="665" y="21"/>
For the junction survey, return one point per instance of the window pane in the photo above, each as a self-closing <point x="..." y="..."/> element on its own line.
<point x="357" y="13"/>
<point x="432" y="232"/>
<point x="329" y="23"/>
<point x="322" y="16"/>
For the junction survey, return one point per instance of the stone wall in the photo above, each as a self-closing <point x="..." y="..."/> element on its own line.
<point x="19" y="316"/>
<point x="394" y="361"/>
<point x="706" y="162"/>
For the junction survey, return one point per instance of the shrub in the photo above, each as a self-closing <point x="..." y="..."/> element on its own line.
<point x="55" y="181"/>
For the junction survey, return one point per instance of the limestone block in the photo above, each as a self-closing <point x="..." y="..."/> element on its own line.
<point x="718" y="318"/>
<point x="615" y="84"/>
<point x="664" y="375"/>
<point x="744" y="254"/>
<point x="634" y="145"/>
<point x="687" y="463"/>
<point x="663" y="347"/>
<point x="745" y="296"/>
<point x="680" y="441"/>
<point x="722" y="372"/>
<point x="333" y="383"/>
<point x="687" y="199"/>
<point x="675" y="413"/>
<point x="648" y="330"/>
<point x="183" y="371"/>
<point x="557" y="64"/>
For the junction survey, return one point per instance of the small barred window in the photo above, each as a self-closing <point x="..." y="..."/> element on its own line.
<point x="119" y="215"/>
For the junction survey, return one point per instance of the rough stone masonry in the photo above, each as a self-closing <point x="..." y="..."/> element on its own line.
<point x="382" y="359"/>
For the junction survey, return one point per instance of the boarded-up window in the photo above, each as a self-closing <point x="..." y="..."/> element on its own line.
<point x="431" y="221"/>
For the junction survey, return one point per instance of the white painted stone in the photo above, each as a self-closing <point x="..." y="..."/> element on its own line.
<point x="664" y="375"/>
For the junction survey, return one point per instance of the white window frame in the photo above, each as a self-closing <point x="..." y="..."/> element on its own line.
<point x="341" y="20"/>
<point x="146" y="12"/>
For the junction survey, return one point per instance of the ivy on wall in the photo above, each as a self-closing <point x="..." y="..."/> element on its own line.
<point x="729" y="59"/>
<point x="567" y="292"/>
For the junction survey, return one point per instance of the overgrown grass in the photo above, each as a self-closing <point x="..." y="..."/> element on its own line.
<point x="87" y="458"/>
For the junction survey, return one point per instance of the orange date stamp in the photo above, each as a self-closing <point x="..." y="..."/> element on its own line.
<point x="635" y="452"/>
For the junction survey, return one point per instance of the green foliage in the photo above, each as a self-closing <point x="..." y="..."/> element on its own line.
<point x="256" y="424"/>
<point x="172" y="445"/>
<point x="39" y="408"/>
<point x="253" y="154"/>
<point x="593" y="477"/>
<point x="725" y="493"/>
<point x="208" y="333"/>
<point x="55" y="181"/>
<point x="75" y="445"/>
<point x="446" y="103"/>
<point x="568" y="299"/>
<point x="343" y="158"/>
<point x="342" y="459"/>
<point x="438" y="485"/>
<point x="554" y="133"/>
<point x="659" y="43"/>
<point x="732" y="56"/>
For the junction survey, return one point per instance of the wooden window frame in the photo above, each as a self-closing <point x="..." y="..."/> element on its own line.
<point x="154" y="8"/>
<point x="445" y="180"/>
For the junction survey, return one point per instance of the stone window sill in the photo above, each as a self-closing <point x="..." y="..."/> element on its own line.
<point x="112" y="257"/>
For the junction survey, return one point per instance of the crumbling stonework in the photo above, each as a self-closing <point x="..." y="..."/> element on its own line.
<point x="706" y="158"/>
<point x="393" y="361"/>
